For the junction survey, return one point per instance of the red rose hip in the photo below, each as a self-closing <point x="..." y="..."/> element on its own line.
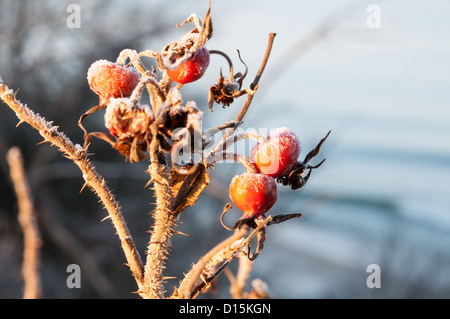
<point x="253" y="193"/>
<point x="109" y="79"/>
<point x="278" y="154"/>
<point x="192" y="69"/>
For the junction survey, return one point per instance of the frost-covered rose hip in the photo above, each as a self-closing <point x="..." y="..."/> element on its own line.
<point x="254" y="194"/>
<point x="109" y="79"/>
<point x="192" y="69"/>
<point x="278" y="154"/>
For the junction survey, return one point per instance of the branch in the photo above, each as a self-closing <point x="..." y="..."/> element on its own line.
<point x="160" y="240"/>
<point x="237" y="284"/>
<point x="186" y="286"/>
<point x="223" y="252"/>
<point x="27" y="220"/>
<point x="255" y="82"/>
<point x="248" y="164"/>
<point x="92" y="179"/>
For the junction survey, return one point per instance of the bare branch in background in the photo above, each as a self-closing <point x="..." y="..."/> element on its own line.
<point x="27" y="221"/>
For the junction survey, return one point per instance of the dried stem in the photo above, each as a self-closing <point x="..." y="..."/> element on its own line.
<point x="249" y="165"/>
<point x="190" y="279"/>
<point x="227" y="142"/>
<point x="255" y="82"/>
<point x="156" y="94"/>
<point x="27" y="220"/>
<point x="223" y="252"/>
<point x="227" y="254"/>
<point x="230" y="64"/>
<point x="92" y="179"/>
<point x="237" y="284"/>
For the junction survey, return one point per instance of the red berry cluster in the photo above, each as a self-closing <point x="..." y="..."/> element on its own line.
<point x="120" y="87"/>
<point x="255" y="193"/>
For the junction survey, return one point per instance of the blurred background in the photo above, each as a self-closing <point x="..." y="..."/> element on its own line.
<point x="381" y="197"/>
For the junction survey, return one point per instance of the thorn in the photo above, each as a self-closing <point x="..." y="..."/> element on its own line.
<point x="180" y="233"/>
<point x="40" y="143"/>
<point x="83" y="187"/>
<point x="137" y="292"/>
<point x="149" y="182"/>
<point x="105" y="218"/>
<point x="168" y="277"/>
<point x="20" y="122"/>
<point x="87" y="146"/>
<point x="15" y="93"/>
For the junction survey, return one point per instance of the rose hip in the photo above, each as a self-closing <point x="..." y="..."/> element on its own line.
<point x="278" y="154"/>
<point x="108" y="79"/>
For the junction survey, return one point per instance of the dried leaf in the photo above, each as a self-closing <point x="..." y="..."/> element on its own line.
<point x="186" y="189"/>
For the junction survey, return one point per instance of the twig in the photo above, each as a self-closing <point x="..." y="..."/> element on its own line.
<point x="27" y="220"/>
<point x="215" y="155"/>
<point x="223" y="252"/>
<point x="186" y="285"/>
<point x="253" y="87"/>
<point x="92" y="179"/>
<point x="255" y="82"/>
<point x="237" y="284"/>
<point x="226" y="256"/>
<point x="248" y="164"/>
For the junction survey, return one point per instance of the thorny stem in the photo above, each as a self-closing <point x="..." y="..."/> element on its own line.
<point x="92" y="179"/>
<point x="224" y="251"/>
<point x="190" y="279"/>
<point x="27" y="221"/>
<point x="158" y="247"/>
